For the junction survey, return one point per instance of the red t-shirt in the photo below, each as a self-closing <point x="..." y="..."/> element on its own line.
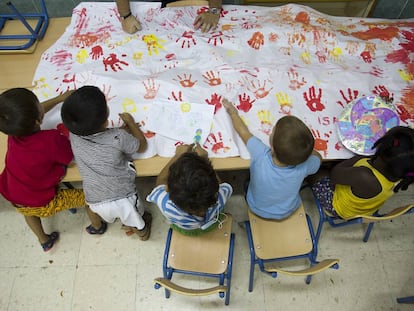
<point x="34" y="166"/>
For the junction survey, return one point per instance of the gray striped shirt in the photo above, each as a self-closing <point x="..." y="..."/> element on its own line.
<point x="104" y="162"/>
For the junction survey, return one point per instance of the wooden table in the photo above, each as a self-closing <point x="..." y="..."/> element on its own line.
<point x="18" y="71"/>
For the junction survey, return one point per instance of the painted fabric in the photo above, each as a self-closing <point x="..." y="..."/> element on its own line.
<point x="271" y="62"/>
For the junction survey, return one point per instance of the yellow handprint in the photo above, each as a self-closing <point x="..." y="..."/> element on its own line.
<point x="81" y="56"/>
<point x="285" y="103"/>
<point x="153" y="43"/>
<point x="306" y="58"/>
<point x="128" y="105"/>
<point x="266" y="121"/>
<point x="336" y="53"/>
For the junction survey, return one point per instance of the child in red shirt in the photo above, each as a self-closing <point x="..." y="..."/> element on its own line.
<point x="36" y="162"/>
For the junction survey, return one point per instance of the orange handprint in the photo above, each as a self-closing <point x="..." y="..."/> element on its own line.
<point x="321" y="144"/>
<point x="256" y="41"/>
<point x="211" y="79"/>
<point x="186" y="81"/>
<point x="259" y="90"/>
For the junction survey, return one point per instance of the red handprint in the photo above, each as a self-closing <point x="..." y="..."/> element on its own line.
<point x="68" y="83"/>
<point x="403" y="113"/>
<point x="113" y="62"/>
<point x="215" y="38"/>
<point x="256" y="41"/>
<point x="295" y="82"/>
<point x="352" y="94"/>
<point x="215" y="144"/>
<point x="366" y="56"/>
<point x="245" y="103"/>
<point x="215" y="101"/>
<point x="96" y="52"/>
<point x="321" y="144"/>
<point x="313" y="101"/>
<point x="176" y="98"/>
<point x="211" y="79"/>
<point x="382" y="92"/>
<point x="186" y="82"/>
<point x="187" y="37"/>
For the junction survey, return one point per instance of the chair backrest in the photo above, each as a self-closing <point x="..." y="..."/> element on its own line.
<point x="187" y="3"/>
<point x="207" y="253"/>
<point x="281" y="238"/>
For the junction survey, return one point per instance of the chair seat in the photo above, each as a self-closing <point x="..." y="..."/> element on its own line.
<point x="207" y="253"/>
<point x="275" y="238"/>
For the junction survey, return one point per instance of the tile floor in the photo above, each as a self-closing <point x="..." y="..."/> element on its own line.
<point x="115" y="272"/>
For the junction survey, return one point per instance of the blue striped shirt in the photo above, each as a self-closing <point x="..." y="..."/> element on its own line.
<point x="182" y="219"/>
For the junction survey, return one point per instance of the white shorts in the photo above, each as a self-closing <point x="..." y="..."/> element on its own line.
<point x="128" y="210"/>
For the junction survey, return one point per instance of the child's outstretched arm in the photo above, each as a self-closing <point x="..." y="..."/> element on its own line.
<point x="162" y="177"/>
<point x="134" y="129"/>
<point x="238" y="123"/>
<point x="50" y="103"/>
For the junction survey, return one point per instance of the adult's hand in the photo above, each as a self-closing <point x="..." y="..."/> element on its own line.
<point x="131" y="24"/>
<point x="206" y="21"/>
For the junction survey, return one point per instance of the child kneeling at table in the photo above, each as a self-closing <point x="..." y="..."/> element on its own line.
<point x="104" y="158"/>
<point x="36" y="162"/>
<point x="362" y="184"/>
<point x="277" y="172"/>
<point x="189" y="193"/>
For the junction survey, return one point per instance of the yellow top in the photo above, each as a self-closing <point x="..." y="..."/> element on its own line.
<point x="347" y="205"/>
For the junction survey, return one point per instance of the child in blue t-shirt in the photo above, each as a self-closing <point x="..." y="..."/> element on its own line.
<point x="277" y="172"/>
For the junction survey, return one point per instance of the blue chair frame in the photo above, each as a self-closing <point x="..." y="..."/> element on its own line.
<point x="224" y="278"/>
<point x="370" y="219"/>
<point x="314" y="268"/>
<point x="35" y="33"/>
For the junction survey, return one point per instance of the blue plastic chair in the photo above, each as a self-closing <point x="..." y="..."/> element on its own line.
<point x="209" y="255"/>
<point x="34" y="33"/>
<point x="335" y="222"/>
<point x="279" y="240"/>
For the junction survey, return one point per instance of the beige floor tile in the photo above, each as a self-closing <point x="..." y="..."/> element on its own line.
<point x="116" y="272"/>
<point x="42" y="288"/>
<point x="105" y="287"/>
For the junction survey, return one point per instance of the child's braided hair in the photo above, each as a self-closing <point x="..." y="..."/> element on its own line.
<point x="396" y="149"/>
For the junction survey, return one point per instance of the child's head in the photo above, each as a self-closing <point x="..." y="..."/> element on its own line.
<point x="291" y="141"/>
<point x="396" y="150"/>
<point x="20" y="112"/>
<point x="85" y="111"/>
<point x="192" y="183"/>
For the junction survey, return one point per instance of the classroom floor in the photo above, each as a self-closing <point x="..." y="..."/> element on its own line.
<point x="116" y="272"/>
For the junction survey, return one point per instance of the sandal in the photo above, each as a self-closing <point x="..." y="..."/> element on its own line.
<point x="91" y="230"/>
<point x="145" y="233"/>
<point x="53" y="237"/>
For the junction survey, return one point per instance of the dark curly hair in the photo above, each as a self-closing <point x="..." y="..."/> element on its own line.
<point x="85" y="111"/>
<point x="19" y="111"/>
<point x="192" y="183"/>
<point x="396" y="150"/>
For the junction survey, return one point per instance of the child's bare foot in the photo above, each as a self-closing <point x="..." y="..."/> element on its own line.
<point x="128" y="230"/>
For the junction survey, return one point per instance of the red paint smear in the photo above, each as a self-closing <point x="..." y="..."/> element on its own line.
<point x="385" y="34"/>
<point x="407" y="99"/>
<point x="302" y="17"/>
<point x="398" y="56"/>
